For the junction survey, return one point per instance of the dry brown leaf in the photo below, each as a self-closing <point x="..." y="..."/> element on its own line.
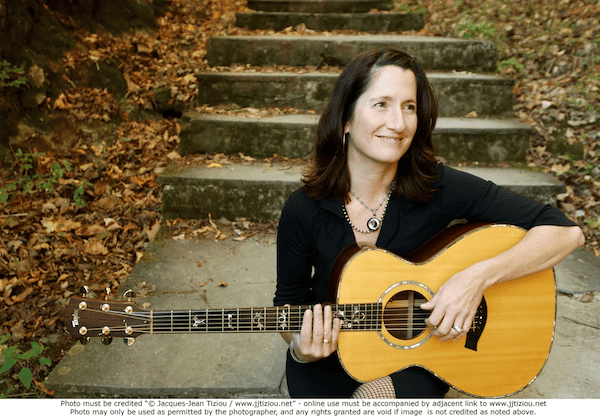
<point x="95" y="247"/>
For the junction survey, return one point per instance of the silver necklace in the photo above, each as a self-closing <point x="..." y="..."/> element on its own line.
<point x="373" y="223"/>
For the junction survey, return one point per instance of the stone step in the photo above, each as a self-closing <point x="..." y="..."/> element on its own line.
<point x="458" y="94"/>
<point x="434" y="53"/>
<point x="362" y="22"/>
<point x="457" y="139"/>
<point x="258" y="192"/>
<point x="320" y="6"/>
<point x="196" y="365"/>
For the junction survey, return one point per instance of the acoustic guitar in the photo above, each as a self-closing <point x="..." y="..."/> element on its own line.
<point x="377" y="296"/>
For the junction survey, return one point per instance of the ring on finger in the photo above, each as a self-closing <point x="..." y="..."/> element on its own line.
<point x="457" y="329"/>
<point x="326" y="341"/>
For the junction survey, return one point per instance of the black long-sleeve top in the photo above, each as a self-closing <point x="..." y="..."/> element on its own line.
<point x="313" y="232"/>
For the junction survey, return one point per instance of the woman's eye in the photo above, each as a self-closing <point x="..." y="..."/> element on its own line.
<point x="411" y="107"/>
<point x="380" y="104"/>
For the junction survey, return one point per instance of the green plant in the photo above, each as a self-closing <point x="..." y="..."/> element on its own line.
<point x="511" y="62"/>
<point x="13" y="356"/>
<point x="11" y="76"/>
<point x="471" y="30"/>
<point x="27" y="181"/>
<point x="79" y="192"/>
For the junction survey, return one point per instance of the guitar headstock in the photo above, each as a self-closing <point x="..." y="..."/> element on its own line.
<point x="86" y="318"/>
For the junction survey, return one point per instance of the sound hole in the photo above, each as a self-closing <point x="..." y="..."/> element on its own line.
<point x="402" y="316"/>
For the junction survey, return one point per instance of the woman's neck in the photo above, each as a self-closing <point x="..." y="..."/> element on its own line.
<point x="371" y="185"/>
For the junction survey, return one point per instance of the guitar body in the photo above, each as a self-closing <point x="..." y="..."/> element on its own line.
<point x="502" y="354"/>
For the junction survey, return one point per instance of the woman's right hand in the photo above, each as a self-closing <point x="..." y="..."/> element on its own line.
<point x="319" y="335"/>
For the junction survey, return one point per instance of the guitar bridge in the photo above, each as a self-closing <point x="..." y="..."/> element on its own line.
<point x="477" y="327"/>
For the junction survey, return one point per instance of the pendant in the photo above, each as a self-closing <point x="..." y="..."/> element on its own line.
<point x="373" y="224"/>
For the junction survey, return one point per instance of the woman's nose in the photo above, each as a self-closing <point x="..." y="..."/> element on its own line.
<point x="396" y="120"/>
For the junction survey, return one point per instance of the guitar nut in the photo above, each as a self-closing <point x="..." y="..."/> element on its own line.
<point x="82" y="330"/>
<point x="105" y="330"/>
<point x="105" y="307"/>
<point x="129" y="310"/>
<point x="82" y="305"/>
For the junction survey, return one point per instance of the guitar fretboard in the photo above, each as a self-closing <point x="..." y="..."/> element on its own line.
<point x="354" y="317"/>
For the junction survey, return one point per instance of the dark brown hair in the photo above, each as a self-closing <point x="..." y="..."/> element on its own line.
<point x="328" y="172"/>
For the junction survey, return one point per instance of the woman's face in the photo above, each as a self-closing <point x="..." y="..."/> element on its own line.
<point x="385" y="118"/>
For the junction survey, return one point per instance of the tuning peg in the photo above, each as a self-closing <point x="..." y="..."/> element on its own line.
<point x="84" y="291"/>
<point x="129" y="294"/>
<point x="129" y="341"/>
<point x="84" y="340"/>
<point x="106" y="340"/>
<point x="107" y="293"/>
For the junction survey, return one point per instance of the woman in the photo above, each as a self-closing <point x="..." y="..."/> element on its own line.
<point x="374" y="179"/>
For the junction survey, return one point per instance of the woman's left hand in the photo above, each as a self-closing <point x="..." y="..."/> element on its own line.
<point x="455" y="304"/>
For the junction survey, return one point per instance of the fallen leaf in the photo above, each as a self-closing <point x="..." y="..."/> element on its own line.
<point x="95" y="248"/>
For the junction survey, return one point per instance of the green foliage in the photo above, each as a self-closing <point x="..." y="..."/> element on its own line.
<point x="27" y="181"/>
<point x="402" y="7"/>
<point x="11" y="76"/>
<point x="512" y="62"/>
<point x="79" y="192"/>
<point x="13" y="356"/>
<point x="471" y="30"/>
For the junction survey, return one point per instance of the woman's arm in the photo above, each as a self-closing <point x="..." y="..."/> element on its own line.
<point x="457" y="300"/>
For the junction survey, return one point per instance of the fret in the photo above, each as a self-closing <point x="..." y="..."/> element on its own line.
<point x="231" y="320"/>
<point x="266" y="315"/>
<point x="373" y="316"/>
<point x="283" y="319"/>
<point x="300" y="316"/>
<point x="257" y="320"/>
<point x="271" y="318"/>
<point x="339" y="313"/>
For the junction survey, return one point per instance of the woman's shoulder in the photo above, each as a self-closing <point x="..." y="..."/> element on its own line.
<point x="300" y="204"/>
<point x="449" y="176"/>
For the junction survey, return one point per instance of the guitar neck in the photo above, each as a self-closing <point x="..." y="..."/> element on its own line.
<point x="359" y="317"/>
<point x="92" y="317"/>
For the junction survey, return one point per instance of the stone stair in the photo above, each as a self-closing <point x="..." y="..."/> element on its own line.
<point x="475" y="123"/>
<point x="189" y="273"/>
<point x="435" y="54"/>
<point x="362" y="22"/>
<point x="320" y="6"/>
<point x="328" y="15"/>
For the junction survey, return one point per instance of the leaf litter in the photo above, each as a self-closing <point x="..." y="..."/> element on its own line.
<point x="92" y="223"/>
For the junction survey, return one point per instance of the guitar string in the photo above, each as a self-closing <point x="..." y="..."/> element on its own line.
<point x="269" y="312"/>
<point x="168" y="326"/>
<point x="184" y="314"/>
<point x="182" y="319"/>
<point x="388" y="313"/>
